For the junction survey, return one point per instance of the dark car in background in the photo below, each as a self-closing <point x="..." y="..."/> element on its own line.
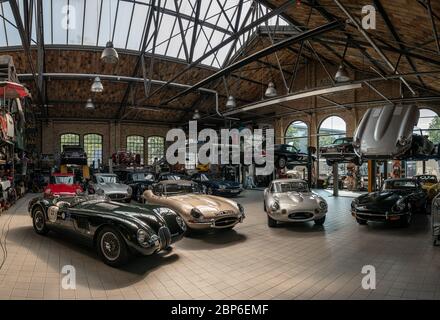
<point x="171" y="176"/>
<point x="217" y="186"/>
<point x="116" y="230"/>
<point x="398" y="200"/>
<point x="73" y="155"/>
<point x="340" y="150"/>
<point x="139" y="181"/>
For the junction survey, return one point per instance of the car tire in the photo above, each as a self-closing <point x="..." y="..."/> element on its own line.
<point x="362" y="222"/>
<point x="112" y="247"/>
<point x="281" y="162"/>
<point x="320" y="221"/>
<point x="39" y="221"/>
<point x="264" y="206"/>
<point x="272" y="223"/>
<point x="405" y="220"/>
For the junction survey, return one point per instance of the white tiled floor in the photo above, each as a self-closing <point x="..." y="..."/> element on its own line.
<point x="251" y="262"/>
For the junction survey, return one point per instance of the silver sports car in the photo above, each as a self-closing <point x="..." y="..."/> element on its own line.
<point x="108" y="183"/>
<point x="388" y="133"/>
<point x="290" y="200"/>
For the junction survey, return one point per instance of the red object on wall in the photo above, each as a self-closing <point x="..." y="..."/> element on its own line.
<point x="12" y="90"/>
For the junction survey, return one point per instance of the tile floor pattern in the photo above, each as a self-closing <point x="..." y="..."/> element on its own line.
<point x="251" y="262"/>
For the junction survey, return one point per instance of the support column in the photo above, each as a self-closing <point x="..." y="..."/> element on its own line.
<point x="371" y="175"/>
<point x="335" y="179"/>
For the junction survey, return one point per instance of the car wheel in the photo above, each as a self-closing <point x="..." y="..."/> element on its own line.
<point x="39" y="221"/>
<point x="405" y="220"/>
<point x="111" y="247"/>
<point x="362" y="222"/>
<point x="281" y="163"/>
<point x="320" y="221"/>
<point x="264" y="206"/>
<point x="272" y="223"/>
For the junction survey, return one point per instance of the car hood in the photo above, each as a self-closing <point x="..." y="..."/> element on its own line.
<point x="113" y="187"/>
<point x="381" y="199"/>
<point x="298" y="198"/>
<point x="209" y="205"/>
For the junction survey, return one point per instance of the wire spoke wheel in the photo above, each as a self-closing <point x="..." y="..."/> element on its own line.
<point x="110" y="246"/>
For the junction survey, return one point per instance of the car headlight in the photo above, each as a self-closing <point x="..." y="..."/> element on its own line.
<point x="323" y="205"/>
<point x="196" y="213"/>
<point x="241" y="208"/>
<point x="275" y="206"/>
<point x="181" y="223"/>
<point x="399" y="206"/>
<point x="142" y="236"/>
<point x="222" y="186"/>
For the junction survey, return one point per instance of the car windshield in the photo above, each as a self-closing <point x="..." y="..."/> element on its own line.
<point x="399" y="184"/>
<point x="76" y="200"/>
<point x="142" y="176"/>
<point x="295" y="186"/>
<point x="61" y="179"/>
<point x="179" y="189"/>
<point x="107" y="179"/>
<point x="173" y="177"/>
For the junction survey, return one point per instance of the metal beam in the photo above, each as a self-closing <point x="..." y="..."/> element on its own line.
<point x="294" y="96"/>
<point x="233" y="37"/>
<point x="260" y="54"/>
<point x="395" y="35"/>
<point x="372" y="43"/>
<point x="434" y="28"/>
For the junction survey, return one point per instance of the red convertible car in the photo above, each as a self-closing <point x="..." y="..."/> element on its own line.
<point x="62" y="184"/>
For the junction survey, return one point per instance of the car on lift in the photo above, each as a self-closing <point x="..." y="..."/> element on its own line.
<point x="110" y="185"/>
<point x="291" y="200"/>
<point x="216" y="186"/>
<point x="73" y="155"/>
<point x="388" y="133"/>
<point x="62" y="184"/>
<point x="116" y="230"/>
<point x="286" y="153"/>
<point x="198" y="210"/>
<point x="398" y="200"/>
<point x="341" y="150"/>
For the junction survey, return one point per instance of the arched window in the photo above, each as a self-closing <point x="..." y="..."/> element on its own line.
<point x="69" y="139"/>
<point x="329" y="130"/>
<point x="156" y="146"/>
<point x="93" y="148"/>
<point x="428" y="125"/>
<point x="135" y="144"/>
<point x="297" y="134"/>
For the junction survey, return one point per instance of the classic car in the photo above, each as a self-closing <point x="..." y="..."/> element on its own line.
<point x="116" y="230"/>
<point x="429" y="183"/>
<point x="340" y="150"/>
<point x="212" y="185"/>
<point x="198" y="210"/>
<point x="397" y="201"/>
<point x="73" y="155"/>
<point x="110" y="185"/>
<point x="285" y="153"/>
<point x="139" y="181"/>
<point x="290" y="200"/>
<point x="388" y="133"/>
<point x="62" y="184"/>
<point x="126" y="158"/>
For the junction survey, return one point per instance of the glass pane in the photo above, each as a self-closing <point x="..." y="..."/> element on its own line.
<point x="75" y="21"/>
<point x="91" y="22"/>
<point x="11" y="30"/>
<point x="137" y="27"/>
<point x="59" y="8"/>
<point x="122" y="24"/>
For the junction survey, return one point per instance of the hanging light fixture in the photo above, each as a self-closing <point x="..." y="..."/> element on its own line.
<point x="97" y="85"/>
<point x="109" y="54"/>
<point x="342" y="74"/>
<point x="90" y="105"/>
<point x="196" y="115"/>
<point x="271" y="91"/>
<point x="230" y="103"/>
